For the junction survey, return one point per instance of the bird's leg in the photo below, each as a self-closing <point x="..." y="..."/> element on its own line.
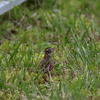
<point x="49" y="75"/>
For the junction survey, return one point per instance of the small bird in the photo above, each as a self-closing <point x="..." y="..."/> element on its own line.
<point x="47" y="63"/>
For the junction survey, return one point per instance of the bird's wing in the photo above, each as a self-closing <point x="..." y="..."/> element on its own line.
<point x="49" y="67"/>
<point x="42" y="64"/>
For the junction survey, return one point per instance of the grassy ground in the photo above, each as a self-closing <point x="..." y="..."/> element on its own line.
<point x="72" y="28"/>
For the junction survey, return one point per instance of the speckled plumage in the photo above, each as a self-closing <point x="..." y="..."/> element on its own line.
<point x="47" y="63"/>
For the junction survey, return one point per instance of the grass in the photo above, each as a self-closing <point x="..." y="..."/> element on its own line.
<point x="72" y="28"/>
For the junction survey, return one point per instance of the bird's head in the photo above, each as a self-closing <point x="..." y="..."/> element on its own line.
<point x="49" y="50"/>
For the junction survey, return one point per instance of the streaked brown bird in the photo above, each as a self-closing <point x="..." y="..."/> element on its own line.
<point x="47" y="63"/>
